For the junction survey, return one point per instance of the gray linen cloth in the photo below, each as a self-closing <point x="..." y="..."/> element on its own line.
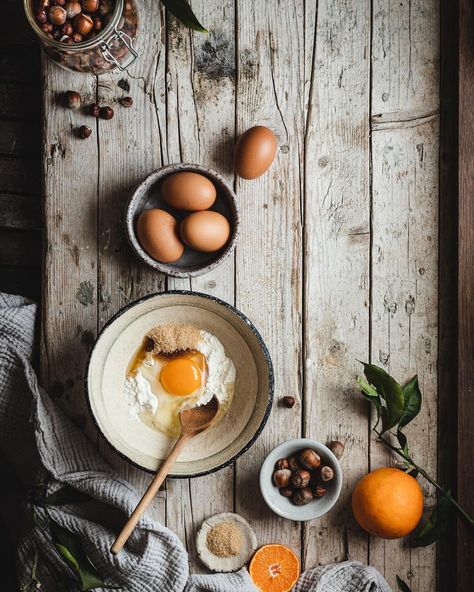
<point x="34" y="432"/>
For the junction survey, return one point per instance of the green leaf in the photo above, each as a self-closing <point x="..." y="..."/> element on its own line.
<point x="69" y="546"/>
<point x="402" y="586"/>
<point x="429" y="531"/>
<point x="412" y="401"/>
<point x="66" y="495"/>
<point x="367" y="388"/>
<point x="402" y="440"/>
<point x="390" y="392"/>
<point x="183" y="12"/>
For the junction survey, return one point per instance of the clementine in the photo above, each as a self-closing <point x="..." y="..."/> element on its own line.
<point x="387" y="503"/>
<point x="274" y="568"/>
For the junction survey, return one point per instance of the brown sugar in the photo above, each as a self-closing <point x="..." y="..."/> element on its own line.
<point x="224" y="540"/>
<point x="168" y="339"/>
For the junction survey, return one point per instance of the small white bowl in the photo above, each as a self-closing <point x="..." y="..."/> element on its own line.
<point x="282" y="505"/>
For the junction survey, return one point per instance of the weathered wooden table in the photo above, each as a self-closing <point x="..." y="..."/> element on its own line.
<point x="338" y="258"/>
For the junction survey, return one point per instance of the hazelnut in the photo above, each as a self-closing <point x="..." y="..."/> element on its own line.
<point x="337" y="448"/>
<point x="85" y="131"/>
<point x="58" y="2"/>
<point x="41" y="16"/>
<point x="67" y="29"/>
<point x="286" y="491"/>
<point x="309" y="459"/>
<point x="44" y="4"/>
<point x="90" y="5"/>
<point x="83" y="24"/>
<point x="300" y="479"/>
<point x="281" y="463"/>
<point x="66" y="39"/>
<point x="72" y="99"/>
<point x="94" y="110"/>
<point x="326" y="473"/>
<point x="57" y="35"/>
<point x="281" y="478"/>
<point x="76" y="37"/>
<point x="57" y="15"/>
<point x="293" y="463"/>
<point x="105" y="7"/>
<point x="72" y="8"/>
<point x="302" y="497"/>
<point x="319" y="491"/>
<point x="97" y="24"/>
<point x="288" y="402"/>
<point x="126" y="102"/>
<point x="47" y="27"/>
<point x="106" y="113"/>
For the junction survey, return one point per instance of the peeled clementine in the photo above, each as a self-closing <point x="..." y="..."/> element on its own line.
<point x="274" y="568"/>
<point x="387" y="503"/>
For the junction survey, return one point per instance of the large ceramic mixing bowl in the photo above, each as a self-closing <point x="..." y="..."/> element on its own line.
<point x="220" y="444"/>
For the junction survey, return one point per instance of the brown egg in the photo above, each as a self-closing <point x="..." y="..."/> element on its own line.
<point x="254" y="152"/>
<point x="205" y="231"/>
<point x="157" y="233"/>
<point x="188" y="191"/>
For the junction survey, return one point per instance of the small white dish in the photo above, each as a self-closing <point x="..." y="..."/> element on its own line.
<point x="282" y="505"/>
<point x="226" y="564"/>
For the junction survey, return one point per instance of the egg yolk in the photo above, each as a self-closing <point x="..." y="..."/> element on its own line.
<point x="181" y="377"/>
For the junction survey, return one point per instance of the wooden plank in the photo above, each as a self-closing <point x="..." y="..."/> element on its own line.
<point x="200" y="121"/>
<point x="270" y="79"/>
<point x="21" y="280"/>
<point x="405" y="100"/>
<point x="20" y="211"/>
<point x="129" y="149"/>
<point x="19" y="102"/>
<point x="447" y="293"/>
<point x="337" y="246"/>
<point x="20" y="138"/>
<point x="21" y="248"/>
<point x="71" y="181"/>
<point x="20" y="65"/>
<point x="465" y="296"/>
<point x="19" y="175"/>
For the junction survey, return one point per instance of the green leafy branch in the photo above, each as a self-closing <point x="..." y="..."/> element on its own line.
<point x="183" y="12"/>
<point x="396" y="407"/>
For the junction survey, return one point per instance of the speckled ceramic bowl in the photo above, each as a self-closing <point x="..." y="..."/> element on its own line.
<point x="282" y="505"/>
<point x="192" y="263"/>
<point x="221" y="443"/>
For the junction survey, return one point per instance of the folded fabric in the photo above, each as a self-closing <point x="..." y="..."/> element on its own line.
<point x="36" y="434"/>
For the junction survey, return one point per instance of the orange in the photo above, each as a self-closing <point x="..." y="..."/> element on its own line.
<point x="387" y="503"/>
<point x="274" y="568"/>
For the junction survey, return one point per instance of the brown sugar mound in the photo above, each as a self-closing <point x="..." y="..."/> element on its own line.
<point x="224" y="540"/>
<point x="168" y="339"/>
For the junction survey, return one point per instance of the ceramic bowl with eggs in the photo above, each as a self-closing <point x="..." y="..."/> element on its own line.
<point x="183" y="220"/>
<point x="171" y="350"/>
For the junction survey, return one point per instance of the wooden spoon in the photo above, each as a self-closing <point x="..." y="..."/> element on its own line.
<point x="194" y="420"/>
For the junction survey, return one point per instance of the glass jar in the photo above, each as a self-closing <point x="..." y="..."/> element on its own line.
<point x="99" y="52"/>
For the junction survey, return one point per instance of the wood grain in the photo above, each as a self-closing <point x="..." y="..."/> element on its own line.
<point x="465" y="572"/>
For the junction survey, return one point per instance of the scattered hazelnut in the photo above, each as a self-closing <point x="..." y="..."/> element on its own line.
<point x="282" y="477"/>
<point x="97" y="24"/>
<point x="90" y="5"/>
<point x="337" y="448"/>
<point x="281" y="463"/>
<point x="83" y="24"/>
<point x="72" y="99"/>
<point x="106" y="113"/>
<point x="326" y="473"/>
<point x="85" y="131"/>
<point x="293" y="463"/>
<point x="72" y="8"/>
<point x="288" y="402"/>
<point x="300" y="479"/>
<point x="57" y="15"/>
<point x="309" y="459"/>
<point x="286" y="491"/>
<point x="302" y="497"/>
<point x="126" y="102"/>
<point x="76" y="37"/>
<point x="94" y="110"/>
<point x="319" y="491"/>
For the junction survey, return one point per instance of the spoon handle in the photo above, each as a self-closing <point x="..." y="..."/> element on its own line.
<point x="149" y="494"/>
